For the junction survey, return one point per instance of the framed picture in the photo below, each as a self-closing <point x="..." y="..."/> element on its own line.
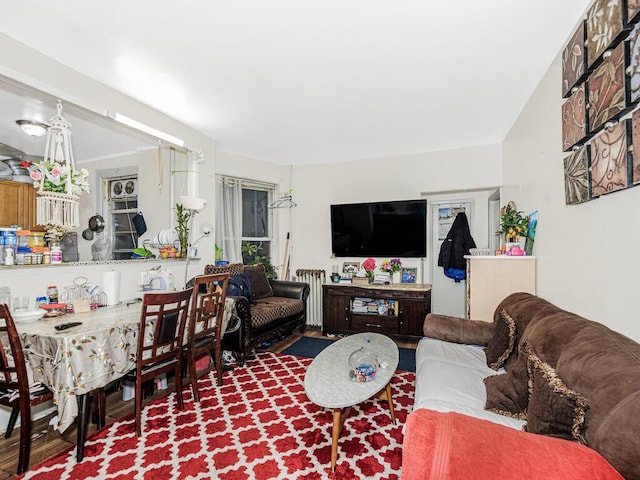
<point x="574" y="119"/>
<point x="573" y="60"/>
<point x="610" y="159"/>
<point x="608" y="91"/>
<point x="576" y="177"/>
<point x="350" y="267"/>
<point x="409" y="275"/>
<point x="604" y="26"/>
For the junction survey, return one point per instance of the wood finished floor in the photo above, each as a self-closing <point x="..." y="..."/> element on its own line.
<point x="47" y="442"/>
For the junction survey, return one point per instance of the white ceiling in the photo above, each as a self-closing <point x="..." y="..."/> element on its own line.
<point x="92" y="136"/>
<point x="297" y="82"/>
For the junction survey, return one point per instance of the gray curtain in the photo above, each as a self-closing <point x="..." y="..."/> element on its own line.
<point x="229" y="218"/>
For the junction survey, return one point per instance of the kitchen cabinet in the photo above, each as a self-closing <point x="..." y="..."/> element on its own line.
<point x="490" y="279"/>
<point x="18" y="202"/>
<point x="395" y="310"/>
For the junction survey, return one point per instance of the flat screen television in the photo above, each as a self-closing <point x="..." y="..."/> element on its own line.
<point x="380" y="229"/>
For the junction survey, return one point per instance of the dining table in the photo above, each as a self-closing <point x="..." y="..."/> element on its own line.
<point x="74" y="362"/>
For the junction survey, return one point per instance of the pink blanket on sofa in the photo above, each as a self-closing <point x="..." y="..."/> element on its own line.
<point x="440" y="446"/>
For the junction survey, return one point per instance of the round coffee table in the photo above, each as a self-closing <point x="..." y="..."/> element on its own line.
<point x="327" y="382"/>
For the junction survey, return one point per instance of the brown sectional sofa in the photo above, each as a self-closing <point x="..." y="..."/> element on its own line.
<point x="277" y="307"/>
<point x="567" y="376"/>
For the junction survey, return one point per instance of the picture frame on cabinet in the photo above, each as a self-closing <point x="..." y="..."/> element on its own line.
<point x="409" y="274"/>
<point x="351" y="267"/>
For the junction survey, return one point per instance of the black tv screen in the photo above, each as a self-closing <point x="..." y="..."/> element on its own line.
<point x="381" y="229"/>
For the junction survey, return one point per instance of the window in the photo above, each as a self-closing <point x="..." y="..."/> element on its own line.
<point x="243" y="219"/>
<point x="255" y="223"/>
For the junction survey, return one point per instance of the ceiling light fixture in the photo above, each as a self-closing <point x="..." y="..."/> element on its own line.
<point x="33" y="128"/>
<point x="118" y="117"/>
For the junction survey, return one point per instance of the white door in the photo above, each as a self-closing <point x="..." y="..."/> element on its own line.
<point x="448" y="297"/>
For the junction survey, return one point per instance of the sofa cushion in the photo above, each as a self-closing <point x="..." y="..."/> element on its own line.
<point x="501" y="345"/>
<point x="604" y="366"/>
<point x="457" y="330"/>
<point x="449" y="379"/>
<point x="547" y="329"/>
<point x="266" y="310"/>
<point x="507" y="394"/>
<point x="554" y="409"/>
<point x="453" y="446"/>
<point x="524" y="309"/>
<point x="260" y="286"/>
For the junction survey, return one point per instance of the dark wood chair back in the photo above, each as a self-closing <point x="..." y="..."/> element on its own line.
<point x="205" y="324"/>
<point x="15" y="389"/>
<point x="162" y="326"/>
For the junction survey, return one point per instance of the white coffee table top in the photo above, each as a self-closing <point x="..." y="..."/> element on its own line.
<point x="327" y="382"/>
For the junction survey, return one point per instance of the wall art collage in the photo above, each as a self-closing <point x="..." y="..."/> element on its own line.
<point x="601" y="87"/>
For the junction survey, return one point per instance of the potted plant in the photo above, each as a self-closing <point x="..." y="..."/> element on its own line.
<point x="182" y="217"/>
<point x="513" y="223"/>
<point x="250" y="257"/>
<point x="369" y="265"/>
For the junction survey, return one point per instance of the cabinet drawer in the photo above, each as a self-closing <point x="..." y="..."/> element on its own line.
<point x="375" y="323"/>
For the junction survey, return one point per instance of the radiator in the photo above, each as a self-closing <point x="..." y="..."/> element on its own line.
<point x="315" y="278"/>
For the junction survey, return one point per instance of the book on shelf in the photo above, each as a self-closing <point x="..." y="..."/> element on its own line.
<point x="372" y="306"/>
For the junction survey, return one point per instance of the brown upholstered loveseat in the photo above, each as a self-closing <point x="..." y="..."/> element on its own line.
<point x="277" y="307"/>
<point x="564" y="375"/>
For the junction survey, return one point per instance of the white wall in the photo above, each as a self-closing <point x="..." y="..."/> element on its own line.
<point x="401" y="177"/>
<point x="586" y="253"/>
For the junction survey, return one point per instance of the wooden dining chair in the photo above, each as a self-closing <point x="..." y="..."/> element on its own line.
<point x="204" y="333"/>
<point x="15" y="389"/>
<point x="162" y="325"/>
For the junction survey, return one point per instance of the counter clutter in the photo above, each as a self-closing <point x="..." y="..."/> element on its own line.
<point x="24" y="247"/>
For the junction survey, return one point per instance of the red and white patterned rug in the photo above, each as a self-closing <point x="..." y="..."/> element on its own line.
<point x="259" y="425"/>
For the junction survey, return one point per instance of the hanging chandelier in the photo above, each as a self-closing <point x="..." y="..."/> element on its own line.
<point x="59" y="183"/>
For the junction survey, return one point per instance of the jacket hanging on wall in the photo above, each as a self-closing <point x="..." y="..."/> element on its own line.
<point x="455" y="247"/>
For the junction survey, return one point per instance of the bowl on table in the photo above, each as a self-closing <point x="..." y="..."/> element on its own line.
<point x="28" y="316"/>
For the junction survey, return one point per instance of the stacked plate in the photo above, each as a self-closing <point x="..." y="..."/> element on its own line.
<point x="28" y="316"/>
<point x="165" y="237"/>
<point x="5" y="171"/>
<point x="18" y="172"/>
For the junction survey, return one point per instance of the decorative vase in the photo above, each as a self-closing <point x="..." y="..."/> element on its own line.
<point x="396" y="277"/>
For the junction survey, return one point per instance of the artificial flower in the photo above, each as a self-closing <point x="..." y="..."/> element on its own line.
<point x="369" y="266"/>
<point x="392" y="266"/>
<point x="53" y="177"/>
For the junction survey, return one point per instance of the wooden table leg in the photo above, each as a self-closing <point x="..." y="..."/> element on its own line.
<point x="339" y="416"/>
<point x="385" y="394"/>
<point x="335" y="434"/>
<point x="84" y="401"/>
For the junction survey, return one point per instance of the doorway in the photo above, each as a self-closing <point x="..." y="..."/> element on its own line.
<point x="448" y="297"/>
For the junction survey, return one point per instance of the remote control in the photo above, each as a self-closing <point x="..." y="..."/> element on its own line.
<point x="64" y="326"/>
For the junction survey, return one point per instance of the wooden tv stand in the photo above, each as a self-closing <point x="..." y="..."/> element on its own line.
<point x="401" y="309"/>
